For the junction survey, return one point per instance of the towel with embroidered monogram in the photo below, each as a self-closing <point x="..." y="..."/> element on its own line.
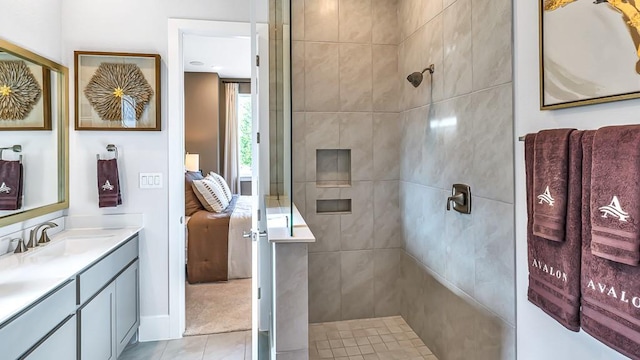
<point x="610" y="290"/>
<point x="554" y="266"/>
<point x="108" y="184"/>
<point x="550" y="164"/>
<point x="10" y="185"/>
<point x="615" y="194"/>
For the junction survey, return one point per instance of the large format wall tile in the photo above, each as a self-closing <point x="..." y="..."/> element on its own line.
<point x="458" y="57"/>
<point x="322" y="76"/>
<point x="324" y="287"/>
<point x="297" y="75"/>
<point x="297" y="19"/>
<point x="386" y="210"/>
<point x="298" y="158"/>
<point x="385" y="22"/>
<point x="454" y="120"/>
<point x="493" y="147"/>
<point x="386" y="270"/>
<point x="357" y="284"/>
<point x="322" y="132"/>
<point x="356" y="133"/>
<point x="387" y="131"/>
<point x="355" y="21"/>
<point x="385" y="78"/>
<point x="355" y="77"/>
<point x="356" y="229"/>
<point x="492" y="43"/>
<point x="460" y="251"/>
<point x="321" y="20"/>
<point x="291" y="268"/>
<point x="326" y="229"/>
<point x="494" y="248"/>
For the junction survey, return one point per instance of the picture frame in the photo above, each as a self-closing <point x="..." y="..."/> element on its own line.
<point x="589" y="52"/>
<point x="117" y="91"/>
<point x="34" y="112"/>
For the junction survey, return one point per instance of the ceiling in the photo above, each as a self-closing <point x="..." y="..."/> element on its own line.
<point x="230" y="57"/>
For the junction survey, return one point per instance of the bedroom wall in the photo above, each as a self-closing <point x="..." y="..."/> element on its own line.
<point x="201" y="118"/>
<point x="344" y="78"/>
<point x="140" y="26"/>
<point x="457" y="272"/>
<point x="538" y="335"/>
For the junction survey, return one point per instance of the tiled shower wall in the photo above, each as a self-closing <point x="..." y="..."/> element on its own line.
<point x="457" y="271"/>
<point x="345" y="96"/>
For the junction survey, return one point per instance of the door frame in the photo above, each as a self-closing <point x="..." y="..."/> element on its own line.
<point x="177" y="28"/>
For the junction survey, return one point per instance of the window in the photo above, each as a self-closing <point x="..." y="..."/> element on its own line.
<point x="244" y="133"/>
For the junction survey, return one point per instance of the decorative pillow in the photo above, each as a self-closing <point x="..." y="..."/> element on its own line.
<point x="223" y="184"/>
<point x="191" y="202"/>
<point x="210" y="195"/>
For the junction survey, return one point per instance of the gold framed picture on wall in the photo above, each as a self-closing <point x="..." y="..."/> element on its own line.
<point x="25" y="94"/>
<point x="589" y="52"/>
<point x="117" y="91"/>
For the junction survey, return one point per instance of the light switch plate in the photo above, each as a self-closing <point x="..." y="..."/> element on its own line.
<point x="150" y="180"/>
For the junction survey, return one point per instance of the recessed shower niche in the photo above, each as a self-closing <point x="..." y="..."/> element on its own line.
<point x="333" y="167"/>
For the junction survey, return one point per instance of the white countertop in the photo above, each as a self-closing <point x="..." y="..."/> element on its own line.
<point x="277" y="227"/>
<point x="26" y="277"/>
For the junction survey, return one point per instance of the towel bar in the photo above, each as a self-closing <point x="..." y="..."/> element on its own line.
<point x="110" y="148"/>
<point x="14" y="148"/>
<point x="521" y="138"/>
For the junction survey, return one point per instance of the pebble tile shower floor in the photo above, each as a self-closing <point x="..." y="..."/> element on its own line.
<point x="387" y="338"/>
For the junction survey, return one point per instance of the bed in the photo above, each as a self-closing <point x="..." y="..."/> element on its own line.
<point x="216" y="249"/>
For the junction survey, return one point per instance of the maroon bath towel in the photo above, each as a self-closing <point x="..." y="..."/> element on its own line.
<point x="615" y="194"/>
<point x="550" y="183"/>
<point x="610" y="290"/>
<point x="11" y="185"/>
<point x="554" y="267"/>
<point x="108" y="184"/>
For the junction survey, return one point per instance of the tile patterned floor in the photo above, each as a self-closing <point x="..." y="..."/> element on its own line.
<point x="369" y="339"/>
<point x="227" y="346"/>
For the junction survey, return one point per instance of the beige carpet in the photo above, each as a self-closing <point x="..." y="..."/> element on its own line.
<point x="218" y="307"/>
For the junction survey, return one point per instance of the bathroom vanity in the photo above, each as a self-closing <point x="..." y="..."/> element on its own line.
<point x="76" y="297"/>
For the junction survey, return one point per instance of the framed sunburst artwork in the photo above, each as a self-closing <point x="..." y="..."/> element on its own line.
<point x="25" y="98"/>
<point x="117" y="91"/>
<point x="589" y="52"/>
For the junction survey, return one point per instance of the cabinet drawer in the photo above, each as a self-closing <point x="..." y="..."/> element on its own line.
<point x="101" y="273"/>
<point x="19" y="335"/>
<point x="62" y="343"/>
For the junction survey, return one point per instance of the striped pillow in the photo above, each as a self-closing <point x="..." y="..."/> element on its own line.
<point x="210" y="195"/>
<point x="223" y="184"/>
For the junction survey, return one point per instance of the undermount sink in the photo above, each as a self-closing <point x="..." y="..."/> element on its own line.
<point x="69" y="245"/>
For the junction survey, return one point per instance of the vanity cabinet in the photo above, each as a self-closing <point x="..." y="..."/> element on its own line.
<point x="91" y="316"/>
<point x="40" y="327"/>
<point x="108" y="319"/>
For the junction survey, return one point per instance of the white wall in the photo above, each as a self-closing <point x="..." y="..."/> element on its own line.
<point x="139" y="26"/>
<point x="34" y="25"/>
<point x="539" y="336"/>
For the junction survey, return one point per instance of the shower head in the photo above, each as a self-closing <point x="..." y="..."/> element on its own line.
<point x="416" y="78"/>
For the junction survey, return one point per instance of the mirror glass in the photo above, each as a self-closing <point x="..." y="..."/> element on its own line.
<point x="33" y="134"/>
<point x="280" y="119"/>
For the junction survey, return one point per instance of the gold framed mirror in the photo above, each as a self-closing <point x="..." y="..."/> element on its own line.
<point x="36" y="135"/>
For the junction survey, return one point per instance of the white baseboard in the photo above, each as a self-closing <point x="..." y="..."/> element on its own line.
<point x="155" y="328"/>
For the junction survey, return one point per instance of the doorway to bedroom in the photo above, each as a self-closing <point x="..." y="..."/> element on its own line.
<point x="218" y="163"/>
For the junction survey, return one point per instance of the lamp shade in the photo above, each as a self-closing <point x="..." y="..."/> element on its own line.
<point x="192" y="162"/>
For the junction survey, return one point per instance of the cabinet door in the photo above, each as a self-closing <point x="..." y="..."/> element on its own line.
<point x="97" y="326"/>
<point x="61" y="343"/>
<point x="127" y="306"/>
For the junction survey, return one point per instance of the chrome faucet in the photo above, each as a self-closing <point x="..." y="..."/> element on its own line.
<point x="33" y="234"/>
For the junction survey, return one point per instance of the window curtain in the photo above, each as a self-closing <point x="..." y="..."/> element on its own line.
<point x="232" y="151"/>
